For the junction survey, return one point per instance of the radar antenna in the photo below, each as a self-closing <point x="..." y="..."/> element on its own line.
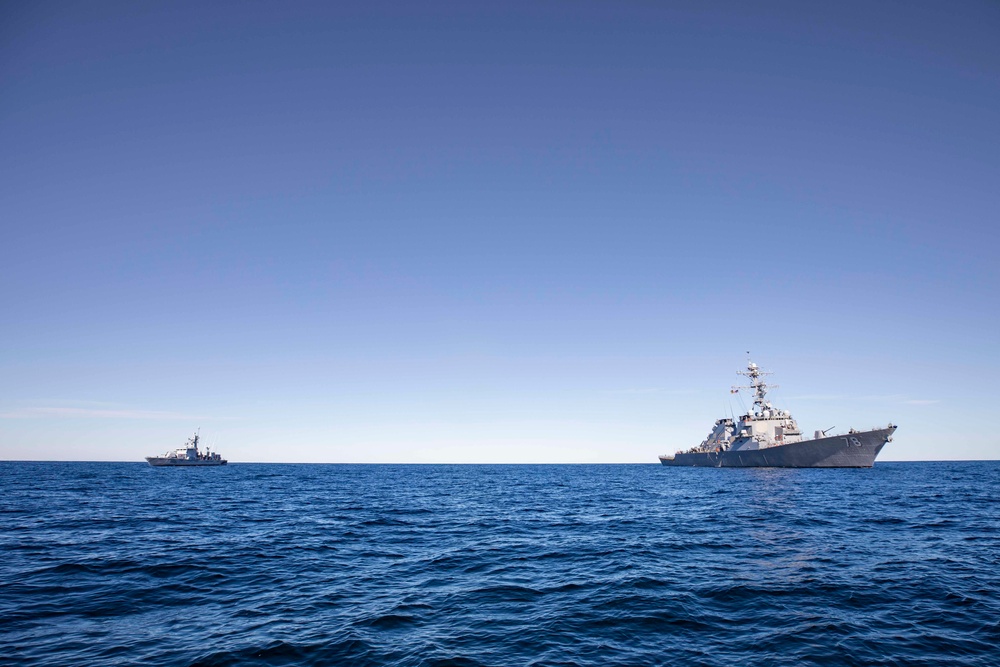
<point x="757" y="384"/>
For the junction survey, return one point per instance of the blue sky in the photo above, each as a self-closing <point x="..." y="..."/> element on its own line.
<point x="493" y="232"/>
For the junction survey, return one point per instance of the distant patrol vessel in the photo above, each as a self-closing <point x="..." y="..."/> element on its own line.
<point x="770" y="438"/>
<point x="188" y="455"/>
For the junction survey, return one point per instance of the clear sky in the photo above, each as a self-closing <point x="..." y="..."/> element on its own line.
<point x="494" y="231"/>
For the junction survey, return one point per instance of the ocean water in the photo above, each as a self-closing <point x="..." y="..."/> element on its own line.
<point x="260" y="564"/>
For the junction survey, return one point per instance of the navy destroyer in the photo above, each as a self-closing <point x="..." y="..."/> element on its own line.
<point x="767" y="437"/>
<point x="188" y="455"/>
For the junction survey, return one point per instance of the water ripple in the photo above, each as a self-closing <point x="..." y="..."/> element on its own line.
<point x="123" y="564"/>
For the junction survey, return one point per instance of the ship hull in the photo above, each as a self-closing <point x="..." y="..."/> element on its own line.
<point x="159" y="462"/>
<point x="853" y="450"/>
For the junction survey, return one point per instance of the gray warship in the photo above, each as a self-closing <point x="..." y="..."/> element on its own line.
<point x="767" y="437"/>
<point x="188" y="455"/>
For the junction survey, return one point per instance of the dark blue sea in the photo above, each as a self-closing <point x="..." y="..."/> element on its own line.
<point x="261" y="564"/>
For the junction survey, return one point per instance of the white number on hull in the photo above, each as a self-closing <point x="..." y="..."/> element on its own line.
<point x="853" y="441"/>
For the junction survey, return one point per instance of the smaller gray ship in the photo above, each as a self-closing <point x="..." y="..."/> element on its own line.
<point x="770" y="438"/>
<point x="187" y="456"/>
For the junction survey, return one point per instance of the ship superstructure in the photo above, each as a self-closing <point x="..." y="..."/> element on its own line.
<point x="769" y="437"/>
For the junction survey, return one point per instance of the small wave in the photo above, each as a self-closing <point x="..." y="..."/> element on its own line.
<point x="887" y="520"/>
<point x="505" y="593"/>
<point x="353" y="651"/>
<point x="384" y="521"/>
<point x="391" y="621"/>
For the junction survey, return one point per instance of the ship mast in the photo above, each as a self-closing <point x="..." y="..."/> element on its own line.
<point x="758" y="386"/>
